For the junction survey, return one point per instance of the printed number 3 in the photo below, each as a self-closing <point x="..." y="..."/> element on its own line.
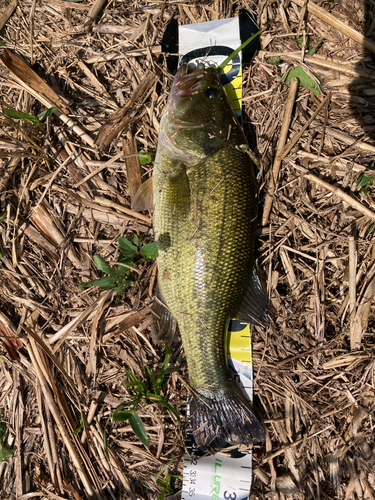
<point x="230" y="496"/>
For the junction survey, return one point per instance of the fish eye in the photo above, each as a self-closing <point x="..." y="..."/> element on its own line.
<point x="212" y="92"/>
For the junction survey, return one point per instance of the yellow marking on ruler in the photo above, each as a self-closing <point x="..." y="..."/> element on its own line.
<point x="234" y="90"/>
<point x="240" y="345"/>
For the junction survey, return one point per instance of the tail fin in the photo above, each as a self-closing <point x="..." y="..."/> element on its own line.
<point x="224" y="420"/>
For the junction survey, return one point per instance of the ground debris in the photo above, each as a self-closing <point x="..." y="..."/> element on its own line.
<point x="65" y="196"/>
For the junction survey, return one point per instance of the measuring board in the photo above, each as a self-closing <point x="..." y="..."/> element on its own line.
<point x="223" y="477"/>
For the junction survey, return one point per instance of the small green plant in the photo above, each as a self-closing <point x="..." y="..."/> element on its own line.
<point x="139" y="391"/>
<point x="312" y="51"/>
<point x="144" y="157"/>
<point x="305" y="80"/>
<point x="119" y="275"/>
<point x="365" y="181"/>
<point x="34" y="121"/>
<point x="3" y="216"/>
<point x="307" y="44"/>
<point x="5" y="452"/>
<point x="300" y="41"/>
<point x="81" y="426"/>
<point x="165" y="483"/>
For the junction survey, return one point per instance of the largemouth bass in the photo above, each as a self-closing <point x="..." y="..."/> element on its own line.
<point x="205" y="209"/>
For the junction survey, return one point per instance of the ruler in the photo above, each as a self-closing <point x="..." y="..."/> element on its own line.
<point x="221" y="476"/>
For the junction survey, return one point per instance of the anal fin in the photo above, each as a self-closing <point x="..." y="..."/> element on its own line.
<point x="253" y="306"/>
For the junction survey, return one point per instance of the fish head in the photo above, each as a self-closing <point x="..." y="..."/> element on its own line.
<point x="198" y="116"/>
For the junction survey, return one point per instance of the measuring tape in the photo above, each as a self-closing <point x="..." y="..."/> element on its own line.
<point x="223" y="477"/>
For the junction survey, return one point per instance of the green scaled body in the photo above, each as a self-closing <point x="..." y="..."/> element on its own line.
<point x="205" y="211"/>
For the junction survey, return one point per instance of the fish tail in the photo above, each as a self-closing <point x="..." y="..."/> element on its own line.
<point x="222" y="420"/>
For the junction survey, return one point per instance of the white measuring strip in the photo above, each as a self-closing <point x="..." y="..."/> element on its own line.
<point x="223" y="477"/>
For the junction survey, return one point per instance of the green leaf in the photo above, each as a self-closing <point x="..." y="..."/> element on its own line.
<point x="150" y="251"/>
<point x="137" y="240"/>
<point x="371" y="228"/>
<point x="3" y="216"/>
<point x="102" y="265"/>
<point x="126" y="247"/>
<point x="5" y="453"/>
<point x="221" y="66"/>
<point x="106" y="283"/>
<point x="122" y="271"/>
<point x="364" y="180"/>
<point x="164" y="468"/>
<point x="157" y="398"/>
<point x="159" y="381"/>
<point x="305" y="80"/>
<point x="121" y="416"/>
<point x="300" y="41"/>
<point x="44" y="114"/>
<point x="133" y="376"/>
<point x="151" y="377"/>
<point x="18" y="115"/>
<point x="139" y="429"/>
<point x="315" y="48"/>
<point x="122" y="284"/>
<point x="144" y="159"/>
<point x="3" y="431"/>
<point x="81" y="425"/>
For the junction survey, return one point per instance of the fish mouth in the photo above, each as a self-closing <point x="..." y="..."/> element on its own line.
<point x="188" y="79"/>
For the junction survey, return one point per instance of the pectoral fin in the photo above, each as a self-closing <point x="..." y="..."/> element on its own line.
<point x="178" y="192"/>
<point x="253" y="306"/>
<point x="144" y="197"/>
<point x="167" y="322"/>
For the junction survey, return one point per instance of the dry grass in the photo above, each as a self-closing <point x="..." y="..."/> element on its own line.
<point x="65" y="193"/>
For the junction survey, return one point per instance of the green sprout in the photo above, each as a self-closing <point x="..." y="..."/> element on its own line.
<point x="139" y="391"/>
<point x="365" y="181"/>
<point x="34" y="121"/>
<point x="165" y="483"/>
<point x="305" y="80"/>
<point x="119" y="276"/>
<point x="5" y="452"/>
<point x="145" y="158"/>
